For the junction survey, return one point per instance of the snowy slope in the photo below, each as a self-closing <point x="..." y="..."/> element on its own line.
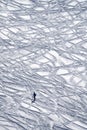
<point x="43" y="49"/>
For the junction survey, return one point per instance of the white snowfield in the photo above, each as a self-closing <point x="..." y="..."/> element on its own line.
<point x="43" y="50"/>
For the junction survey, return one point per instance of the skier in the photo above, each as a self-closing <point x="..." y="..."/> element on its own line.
<point x="34" y="97"/>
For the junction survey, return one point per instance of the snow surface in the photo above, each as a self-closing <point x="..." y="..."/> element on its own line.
<point x="43" y="49"/>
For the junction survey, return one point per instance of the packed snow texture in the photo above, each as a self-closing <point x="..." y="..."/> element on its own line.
<point x="43" y="49"/>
